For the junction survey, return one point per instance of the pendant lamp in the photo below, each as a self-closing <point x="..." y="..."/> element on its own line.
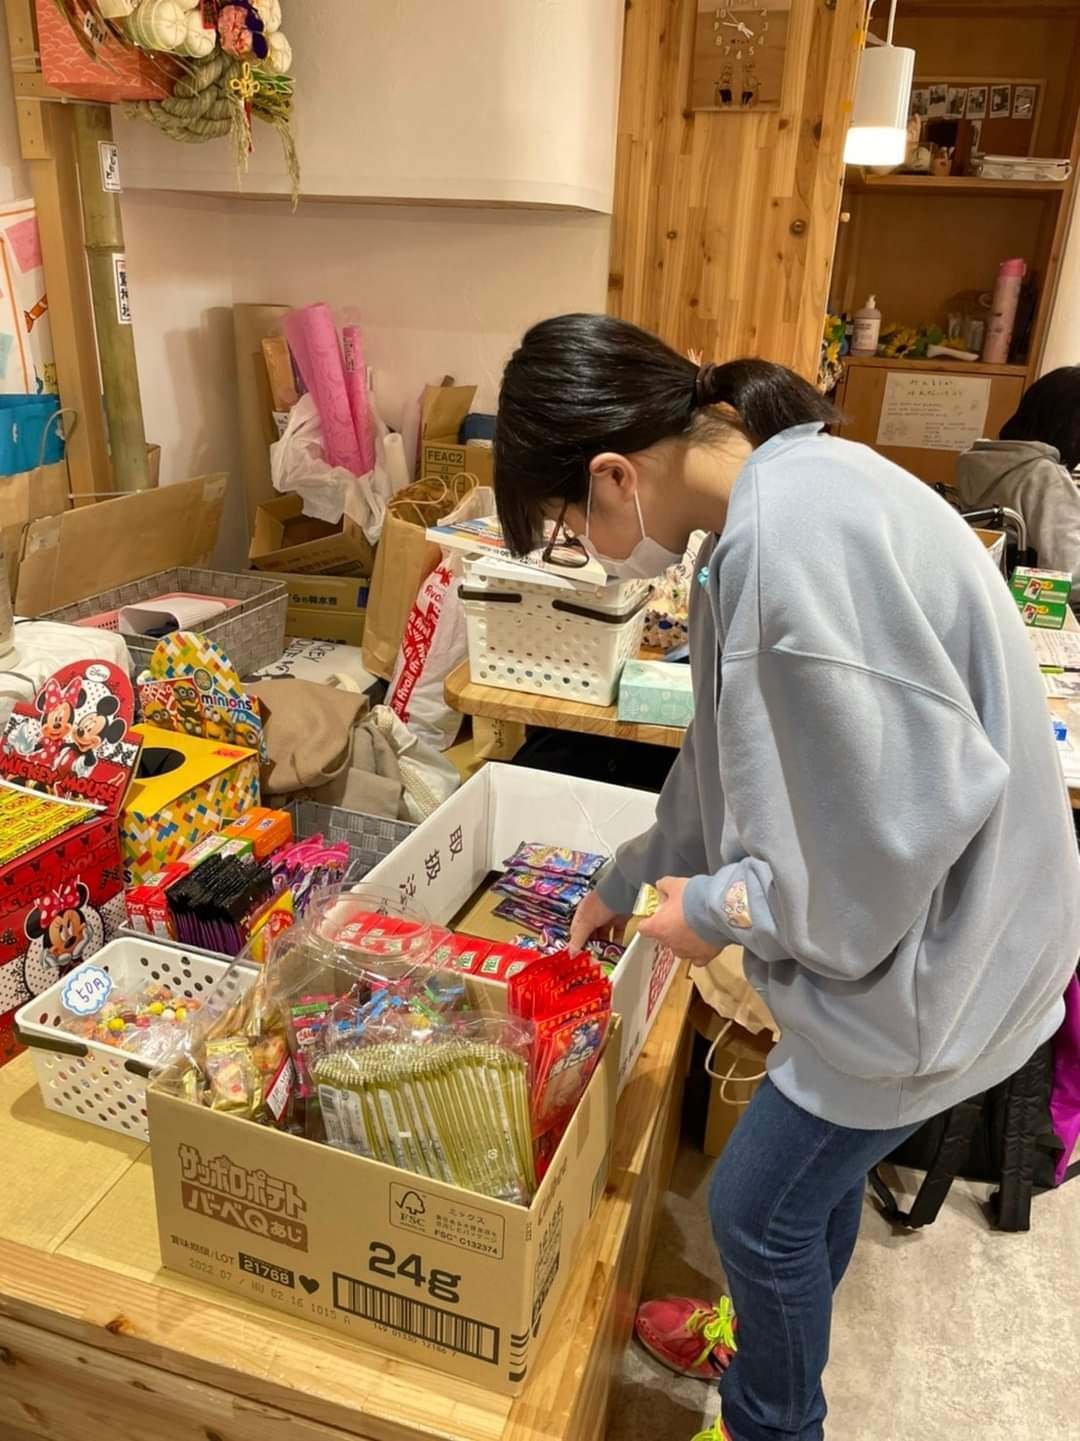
<point x="878" y="133"/>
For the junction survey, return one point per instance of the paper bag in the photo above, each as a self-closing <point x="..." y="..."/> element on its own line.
<point x="723" y="986"/>
<point x="26" y="497"/>
<point x="82" y="552"/>
<point x="403" y="561"/>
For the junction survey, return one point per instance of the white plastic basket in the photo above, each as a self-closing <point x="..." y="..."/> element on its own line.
<point x="98" y="1083"/>
<point x="568" y="643"/>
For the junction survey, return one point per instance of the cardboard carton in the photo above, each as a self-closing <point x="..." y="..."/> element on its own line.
<point x="426" y="1271"/>
<point x="1042" y="595"/>
<point x="186" y="788"/>
<point x="327" y="607"/>
<point x="345" y="627"/>
<point x="69" y="752"/>
<point x="285" y="539"/>
<point x="448" y="856"/>
<point x="445" y="459"/>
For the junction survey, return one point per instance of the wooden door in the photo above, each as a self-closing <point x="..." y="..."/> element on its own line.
<point x="725" y="223"/>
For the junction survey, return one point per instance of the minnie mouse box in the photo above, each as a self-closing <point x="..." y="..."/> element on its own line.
<point x="66" y="760"/>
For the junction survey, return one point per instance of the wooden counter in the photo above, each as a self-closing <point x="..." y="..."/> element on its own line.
<point x="98" y="1343"/>
<point x="509" y="711"/>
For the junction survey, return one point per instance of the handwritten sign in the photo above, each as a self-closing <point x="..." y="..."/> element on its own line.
<point x="87" y="990"/>
<point x="927" y="411"/>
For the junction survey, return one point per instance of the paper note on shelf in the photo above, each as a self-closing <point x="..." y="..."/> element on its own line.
<point x="924" y="411"/>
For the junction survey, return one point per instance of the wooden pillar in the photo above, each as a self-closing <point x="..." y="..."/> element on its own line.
<point x="103" y="238"/>
<point x="46" y="133"/>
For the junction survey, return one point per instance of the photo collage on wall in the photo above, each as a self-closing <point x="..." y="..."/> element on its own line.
<point x="1003" y="113"/>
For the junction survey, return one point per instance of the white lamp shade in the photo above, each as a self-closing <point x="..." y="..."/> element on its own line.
<point x="878" y="133"/>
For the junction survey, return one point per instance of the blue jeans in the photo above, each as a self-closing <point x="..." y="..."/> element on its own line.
<point x="785" y="1203"/>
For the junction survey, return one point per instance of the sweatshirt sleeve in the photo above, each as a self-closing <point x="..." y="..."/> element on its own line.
<point x="673" y="845"/>
<point x="853" y="794"/>
<point x="1051" y="505"/>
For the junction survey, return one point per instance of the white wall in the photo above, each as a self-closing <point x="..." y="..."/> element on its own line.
<point x="1063" y="336"/>
<point x="437" y="290"/>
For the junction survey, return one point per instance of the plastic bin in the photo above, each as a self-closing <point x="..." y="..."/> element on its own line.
<point x="567" y="643"/>
<point x="97" y="1083"/>
<point x="370" y="838"/>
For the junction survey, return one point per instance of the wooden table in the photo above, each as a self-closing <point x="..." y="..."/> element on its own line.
<point x="98" y="1343"/>
<point x="500" y="716"/>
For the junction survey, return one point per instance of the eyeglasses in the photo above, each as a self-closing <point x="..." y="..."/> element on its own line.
<point x="563" y="548"/>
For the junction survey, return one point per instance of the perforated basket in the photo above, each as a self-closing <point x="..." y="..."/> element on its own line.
<point x="98" y="1083"/>
<point x="566" y="643"/>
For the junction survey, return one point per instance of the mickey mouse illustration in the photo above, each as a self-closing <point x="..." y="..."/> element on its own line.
<point x="56" y="705"/>
<point x="90" y="732"/>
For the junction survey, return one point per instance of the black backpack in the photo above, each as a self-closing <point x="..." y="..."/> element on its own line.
<point x="1003" y="1135"/>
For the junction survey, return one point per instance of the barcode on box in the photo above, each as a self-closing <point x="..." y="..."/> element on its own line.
<point x="417" y="1318"/>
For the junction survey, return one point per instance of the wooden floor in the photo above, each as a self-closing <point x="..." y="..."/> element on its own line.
<point x="97" y="1343"/>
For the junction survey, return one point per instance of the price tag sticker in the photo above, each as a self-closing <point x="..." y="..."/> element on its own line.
<point x="86" y="990"/>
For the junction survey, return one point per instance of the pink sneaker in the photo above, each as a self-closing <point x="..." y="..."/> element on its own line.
<point x="689" y="1337"/>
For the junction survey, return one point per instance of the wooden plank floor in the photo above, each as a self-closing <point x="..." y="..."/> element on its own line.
<point x="98" y="1343"/>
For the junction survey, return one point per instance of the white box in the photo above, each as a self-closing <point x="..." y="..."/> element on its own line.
<point x="449" y="855"/>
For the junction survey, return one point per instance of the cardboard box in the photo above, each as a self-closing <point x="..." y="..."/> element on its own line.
<point x="437" y="1275"/>
<point x="327" y="607"/>
<point x="656" y="692"/>
<point x="445" y="459"/>
<point x="285" y="539"/>
<point x="442" y="864"/>
<point x="168" y="810"/>
<point x="1042" y="595"/>
<point x="344" y="627"/>
<point x="63" y="899"/>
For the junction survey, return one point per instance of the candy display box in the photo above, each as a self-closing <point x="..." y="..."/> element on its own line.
<point x="186" y="788"/>
<point x="66" y="760"/>
<point x="451" y="854"/>
<point x="445" y="1278"/>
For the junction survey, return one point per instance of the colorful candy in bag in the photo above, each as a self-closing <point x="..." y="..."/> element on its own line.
<point x="555" y="860"/>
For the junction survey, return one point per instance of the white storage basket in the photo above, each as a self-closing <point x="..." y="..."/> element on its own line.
<point x="567" y="643"/>
<point x="98" y="1083"/>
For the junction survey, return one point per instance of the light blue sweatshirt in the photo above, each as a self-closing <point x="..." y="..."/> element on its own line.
<point x="869" y="798"/>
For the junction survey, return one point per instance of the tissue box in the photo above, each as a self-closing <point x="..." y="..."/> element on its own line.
<point x="1042" y="595"/>
<point x="656" y="692"/>
<point x="187" y="788"/>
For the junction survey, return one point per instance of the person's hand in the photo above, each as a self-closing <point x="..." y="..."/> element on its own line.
<point x="668" y="925"/>
<point x="593" y="917"/>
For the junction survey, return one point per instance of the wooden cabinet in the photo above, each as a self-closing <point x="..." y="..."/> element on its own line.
<point x="863" y="390"/>
<point x="724" y="223"/>
<point x="467" y="103"/>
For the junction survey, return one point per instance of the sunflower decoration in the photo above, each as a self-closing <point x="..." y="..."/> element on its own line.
<point x="833" y="345"/>
<point x="231" y="65"/>
<point x="908" y="342"/>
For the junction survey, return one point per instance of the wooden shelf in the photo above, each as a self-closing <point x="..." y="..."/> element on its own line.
<point x="952" y="185"/>
<point x="958" y="367"/>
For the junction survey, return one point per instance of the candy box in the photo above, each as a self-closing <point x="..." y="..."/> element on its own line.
<point x="452" y="855"/>
<point x="187" y="788"/>
<point x="656" y="692"/>
<point x="66" y="760"/>
<point x="1042" y="595"/>
<point x="429" y="1272"/>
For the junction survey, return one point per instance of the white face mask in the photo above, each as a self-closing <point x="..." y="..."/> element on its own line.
<point x="646" y="561"/>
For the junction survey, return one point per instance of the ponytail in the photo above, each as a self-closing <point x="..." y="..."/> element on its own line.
<point x="579" y="385"/>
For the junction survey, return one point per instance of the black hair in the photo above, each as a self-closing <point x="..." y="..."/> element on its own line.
<point x="1050" y="412"/>
<point x="579" y="385"/>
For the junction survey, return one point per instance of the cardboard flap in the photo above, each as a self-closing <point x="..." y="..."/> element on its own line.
<point x="75" y="740"/>
<point x="97" y="547"/>
<point x="442" y="410"/>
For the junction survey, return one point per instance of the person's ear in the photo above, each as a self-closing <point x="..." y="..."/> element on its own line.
<point x="617" y="473"/>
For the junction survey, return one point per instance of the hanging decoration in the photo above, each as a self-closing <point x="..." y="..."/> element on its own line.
<point x="216" y="66"/>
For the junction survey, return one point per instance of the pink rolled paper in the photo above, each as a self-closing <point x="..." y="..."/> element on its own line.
<point x="313" y="340"/>
<point x="352" y="341"/>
